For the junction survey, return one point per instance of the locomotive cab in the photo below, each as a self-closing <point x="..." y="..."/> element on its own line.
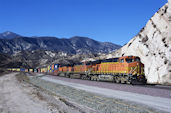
<point x="134" y="67"/>
<point x="133" y="64"/>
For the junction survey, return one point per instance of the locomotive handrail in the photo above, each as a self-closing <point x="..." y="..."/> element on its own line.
<point x="132" y="70"/>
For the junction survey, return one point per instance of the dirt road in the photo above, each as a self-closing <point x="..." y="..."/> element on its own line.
<point x="13" y="98"/>
<point x="17" y="97"/>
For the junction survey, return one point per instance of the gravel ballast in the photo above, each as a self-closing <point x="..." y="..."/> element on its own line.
<point x="159" y="91"/>
<point x="97" y="102"/>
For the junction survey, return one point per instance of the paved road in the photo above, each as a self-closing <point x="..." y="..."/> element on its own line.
<point x="160" y="103"/>
<point x="162" y="91"/>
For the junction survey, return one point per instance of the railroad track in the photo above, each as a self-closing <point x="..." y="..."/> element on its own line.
<point x="139" y="85"/>
<point x="157" y="86"/>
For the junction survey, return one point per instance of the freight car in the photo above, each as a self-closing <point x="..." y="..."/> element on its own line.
<point x="126" y="69"/>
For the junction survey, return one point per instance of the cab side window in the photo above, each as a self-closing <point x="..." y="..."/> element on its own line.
<point x="122" y="60"/>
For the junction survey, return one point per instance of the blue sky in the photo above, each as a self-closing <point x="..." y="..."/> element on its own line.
<point x="115" y="21"/>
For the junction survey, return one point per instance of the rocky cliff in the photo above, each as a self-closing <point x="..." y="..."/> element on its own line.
<point x="153" y="46"/>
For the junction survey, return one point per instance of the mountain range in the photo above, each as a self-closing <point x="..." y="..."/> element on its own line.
<point x="11" y="43"/>
<point x="31" y="52"/>
<point x="8" y="35"/>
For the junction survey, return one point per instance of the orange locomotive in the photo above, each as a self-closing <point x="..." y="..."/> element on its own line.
<point x="126" y="69"/>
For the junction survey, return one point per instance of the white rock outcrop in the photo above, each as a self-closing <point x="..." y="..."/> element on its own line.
<point x="153" y="46"/>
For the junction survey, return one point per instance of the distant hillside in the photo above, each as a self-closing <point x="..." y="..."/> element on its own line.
<point x="40" y="58"/>
<point x="8" y="35"/>
<point x="12" y="43"/>
<point x="31" y="52"/>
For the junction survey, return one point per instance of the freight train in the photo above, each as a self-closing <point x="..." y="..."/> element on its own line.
<point x="126" y="69"/>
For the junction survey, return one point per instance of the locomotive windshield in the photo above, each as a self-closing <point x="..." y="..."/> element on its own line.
<point x="129" y="60"/>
